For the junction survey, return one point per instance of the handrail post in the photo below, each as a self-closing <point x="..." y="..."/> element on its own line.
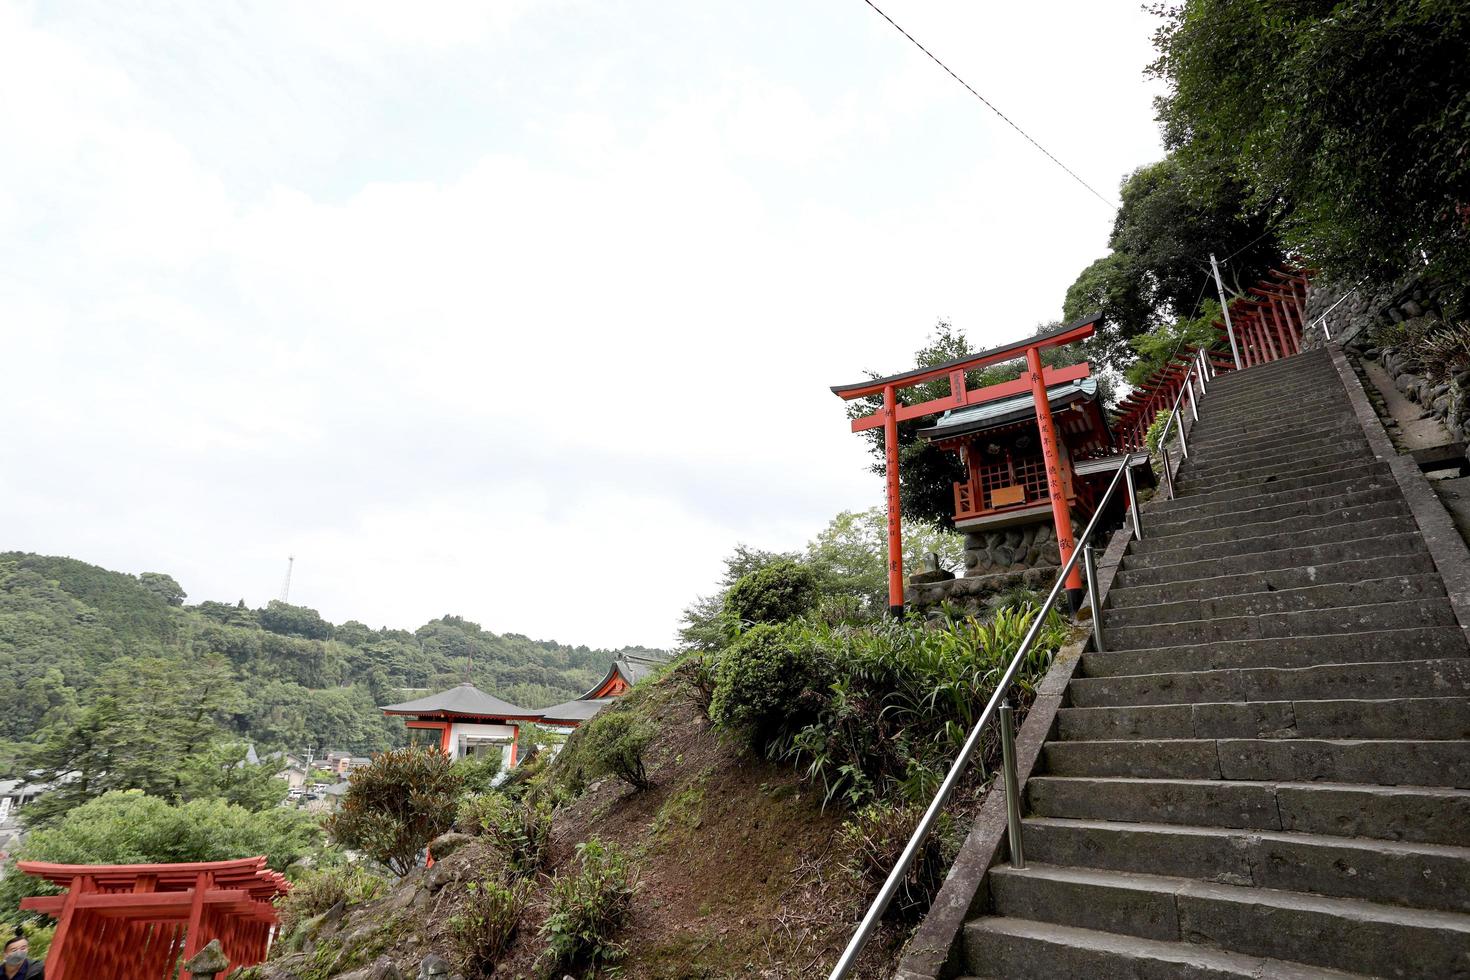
<point x="1089" y="562"/>
<point x="1183" y="448"/>
<point x="1013" y="792"/>
<point x="1193" y="406"/>
<point x="1168" y="478"/>
<point x="1132" y="496"/>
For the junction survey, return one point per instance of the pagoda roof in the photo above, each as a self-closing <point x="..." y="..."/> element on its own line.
<point x="464" y="699"/>
<point x="990" y="415"/>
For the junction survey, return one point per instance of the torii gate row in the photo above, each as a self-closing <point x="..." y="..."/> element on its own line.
<point x="136" y="921"/>
<point x="1156" y="393"/>
<point x="1271" y="317"/>
<point x="1036" y="378"/>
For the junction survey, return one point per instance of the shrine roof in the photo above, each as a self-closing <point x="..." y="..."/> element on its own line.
<point x="989" y="415"/>
<point x="466" y="699"/>
<point x="576" y="710"/>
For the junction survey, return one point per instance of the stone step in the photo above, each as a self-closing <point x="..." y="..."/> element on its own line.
<point x="1325" y="931"/>
<point x="1207" y="562"/>
<point x="1319" y="504"/>
<point x="1256" y="407"/>
<point x="1217" y="417"/>
<point x="1191" y="480"/>
<point x="1142" y="555"/>
<point x="1280" y="521"/>
<point x="1321" y="682"/>
<point x="1276" y="401"/>
<point x="1327" y="481"/>
<point x="1419" y="717"/>
<point x="1247" y="457"/>
<point x="1250" y="375"/>
<point x="1199" y="468"/>
<point x="1263" y="377"/>
<point x="1251" y="484"/>
<point x="1382" y="646"/>
<point x="1307" y="622"/>
<point x="1387" y="763"/>
<point x="1424" y="876"/>
<point x="1270" y="580"/>
<point x="1420" y="814"/>
<point x="1211" y="440"/>
<point x="1020" y="949"/>
<point x="1304" y="442"/>
<point x="1360" y="592"/>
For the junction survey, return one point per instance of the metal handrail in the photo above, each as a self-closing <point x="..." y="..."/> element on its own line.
<point x="1188" y="386"/>
<point x="957" y="768"/>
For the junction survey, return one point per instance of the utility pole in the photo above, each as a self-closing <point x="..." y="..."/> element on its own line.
<point x="1225" y="308"/>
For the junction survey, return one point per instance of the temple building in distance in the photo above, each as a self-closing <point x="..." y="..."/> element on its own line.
<point x="471" y="722"/>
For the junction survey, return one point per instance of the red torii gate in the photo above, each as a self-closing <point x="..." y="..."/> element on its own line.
<point x="136" y="921"/>
<point x="1036" y="379"/>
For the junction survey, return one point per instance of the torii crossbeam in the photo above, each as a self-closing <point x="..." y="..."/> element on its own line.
<point x="1037" y="378"/>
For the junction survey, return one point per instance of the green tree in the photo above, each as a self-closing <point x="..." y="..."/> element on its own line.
<point x="166" y="587"/>
<point x="282" y="617"/>
<point x="1354" y="113"/>
<point x="134" y="828"/>
<point x="1174" y="214"/>
<point x="396" y="805"/>
<point x="850" y="555"/>
<point x="148" y="718"/>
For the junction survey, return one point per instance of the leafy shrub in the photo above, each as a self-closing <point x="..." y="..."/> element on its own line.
<point x="905" y="697"/>
<point x="586" y="907"/>
<point x="519" y="830"/>
<point x="477" y="772"/>
<point x="762" y="684"/>
<point x="697" y="670"/>
<point x="876" y="836"/>
<point x="395" y="805"/>
<point x="614" y="744"/>
<point x="776" y="593"/>
<point x="317" y="891"/>
<point x="486" y="922"/>
<point x="1155" y="431"/>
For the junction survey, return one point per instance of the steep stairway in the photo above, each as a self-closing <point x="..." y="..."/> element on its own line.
<point x="1267" y="774"/>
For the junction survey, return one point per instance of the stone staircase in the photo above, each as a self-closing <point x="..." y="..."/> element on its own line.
<point x="1268" y="773"/>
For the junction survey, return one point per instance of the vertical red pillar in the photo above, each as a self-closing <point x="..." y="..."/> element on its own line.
<point x="1051" y="453"/>
<point x="895" y="516"/>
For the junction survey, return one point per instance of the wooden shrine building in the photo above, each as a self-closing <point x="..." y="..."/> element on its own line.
<point x="468" y="721"/>
<point x="1000" y="450"/>
<point x="1052" y="478"/>
<point x="137" y="921"/>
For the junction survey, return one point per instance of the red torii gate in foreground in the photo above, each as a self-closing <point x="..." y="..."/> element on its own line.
<point x="136" y="921"/>
<point x="1036" y="379"/>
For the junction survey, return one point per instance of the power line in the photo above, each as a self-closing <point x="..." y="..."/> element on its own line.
<point x="988" y="103"/>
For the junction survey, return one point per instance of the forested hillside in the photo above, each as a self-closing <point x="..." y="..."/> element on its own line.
<point x="282" y="677"/>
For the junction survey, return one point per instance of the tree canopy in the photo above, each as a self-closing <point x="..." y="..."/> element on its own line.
<point x="1349" y="119"/>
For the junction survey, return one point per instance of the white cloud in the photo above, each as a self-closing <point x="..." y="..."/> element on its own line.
<point x="545" y="359"/>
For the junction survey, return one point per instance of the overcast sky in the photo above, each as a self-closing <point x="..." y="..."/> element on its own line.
<point x="524" y="310"/>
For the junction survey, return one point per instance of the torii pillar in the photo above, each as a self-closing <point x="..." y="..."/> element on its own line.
<point x="1037" y="379"/>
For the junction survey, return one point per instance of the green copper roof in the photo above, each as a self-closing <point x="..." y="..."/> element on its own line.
<point x="988" y="415"/>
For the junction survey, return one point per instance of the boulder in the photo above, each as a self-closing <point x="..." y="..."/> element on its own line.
<point x="447" y="843"/>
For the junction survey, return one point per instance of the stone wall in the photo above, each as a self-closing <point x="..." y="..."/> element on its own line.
<point x="1363" y="309"/>
<point x="1011" y="549"/>
<point x="996" y="563"/>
